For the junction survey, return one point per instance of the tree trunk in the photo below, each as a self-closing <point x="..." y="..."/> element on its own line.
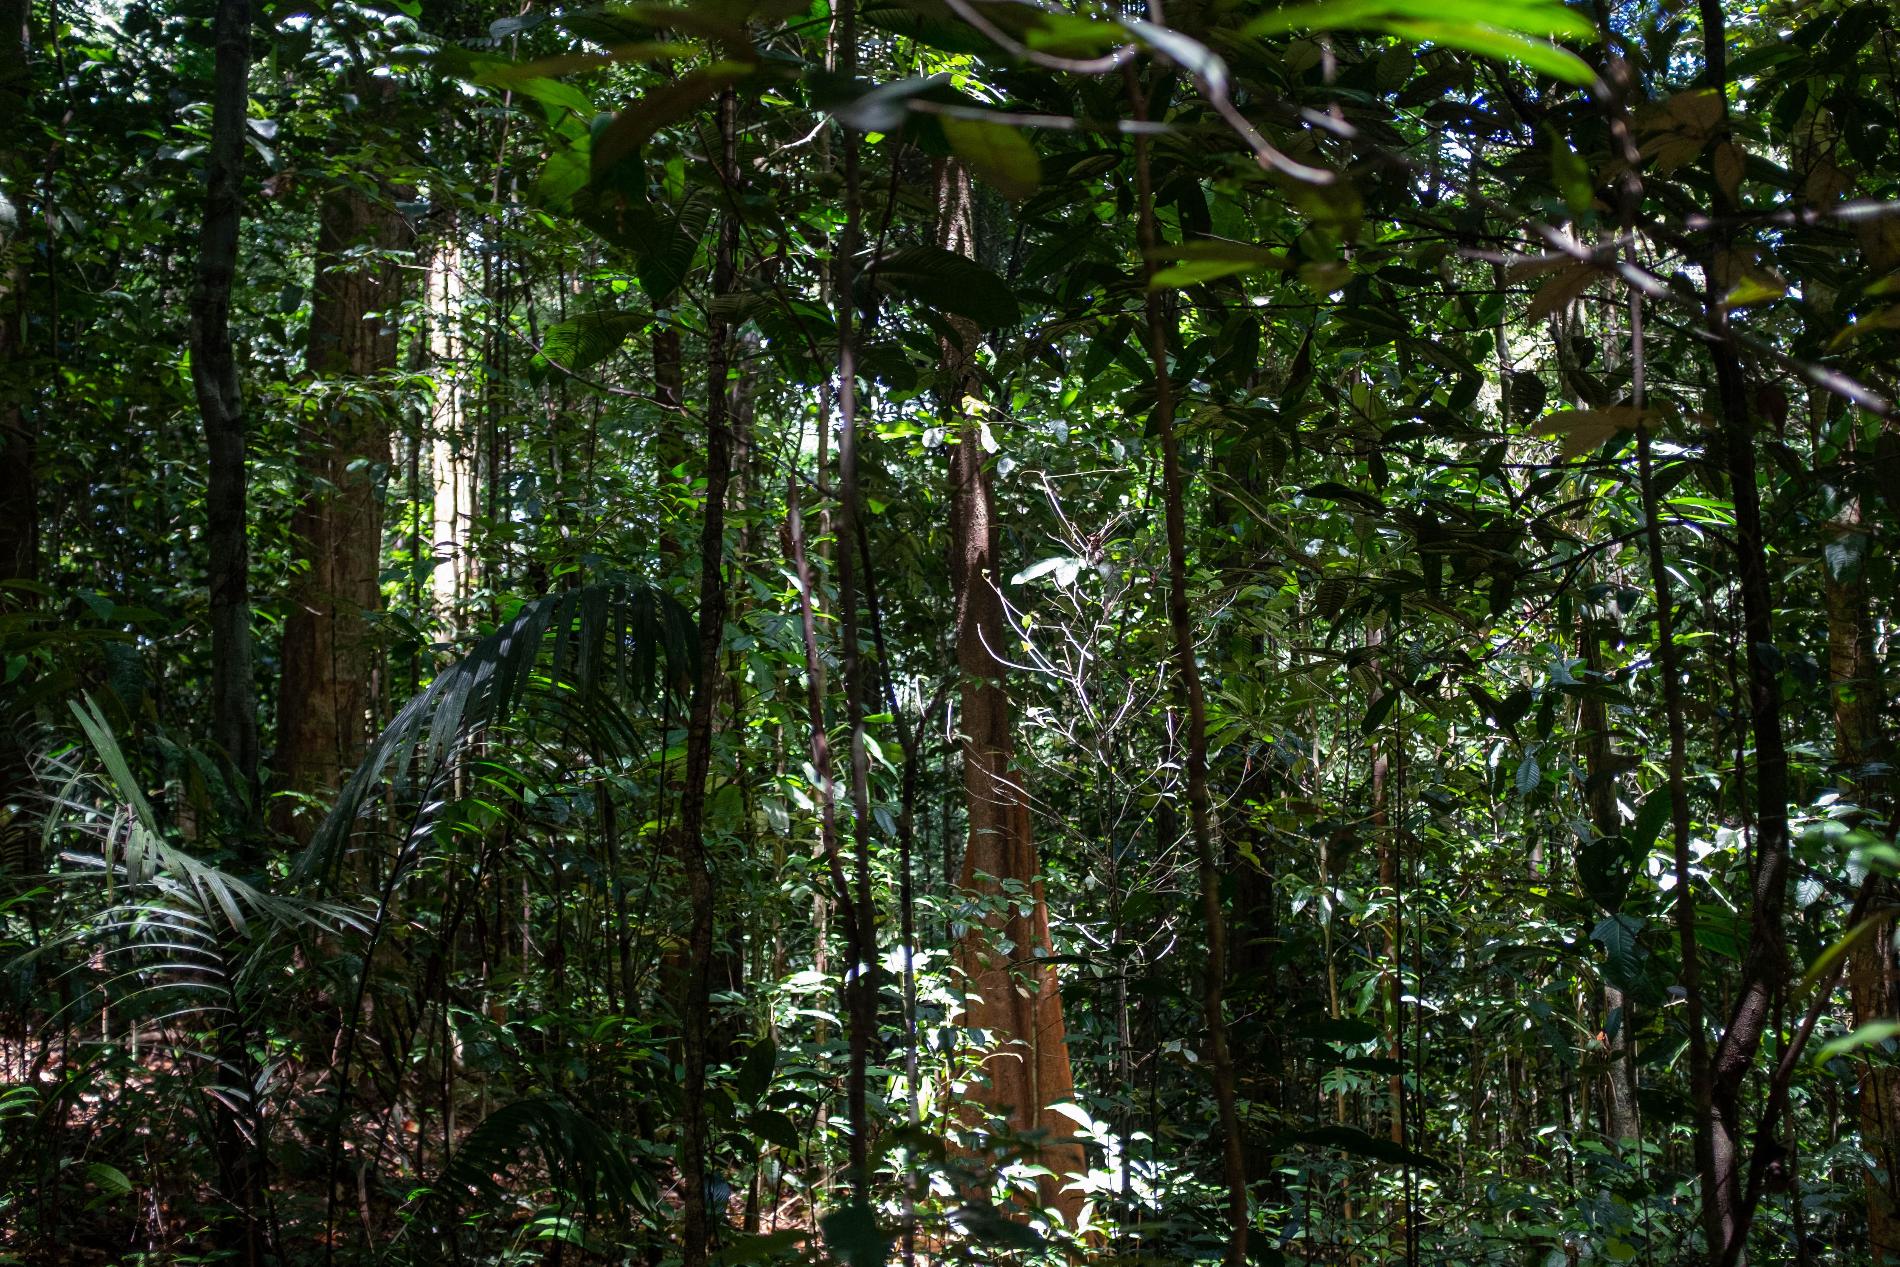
<point x="328" y="655"/>
<point x="19" y="432"/>
<point x="1873" y="982"/>
<point x="1600" y="766"/>
<point x="1188" y="687"/>
<point x="452" y="489"/>
<point x="691" y="848"/>
<point x="221" y="402"/>
<point x="1014" y="995"/>
<point x="1764" y="962"/>
<point x="19" y="428"/>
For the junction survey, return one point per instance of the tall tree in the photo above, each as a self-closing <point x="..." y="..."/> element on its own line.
<point x="328" y="654"/>
<point x="711" y="617"/>
<point x="1192" y="697"/>
<point x="215" y="379"/>
<point x="1011" y="988"/>
<point x="19" y="495"/>
<point x="1861" y="749"/>
<point x="19" y="427"/>
<point x="1765" y="962"/>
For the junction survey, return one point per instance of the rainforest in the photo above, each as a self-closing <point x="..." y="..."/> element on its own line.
<point x="911" y="632"/>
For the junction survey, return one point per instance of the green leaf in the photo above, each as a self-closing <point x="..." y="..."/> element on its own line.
<point x="1626" y="962"/>
<point x="997" y="152"/>
<point x="753" y="1249"/>
<point x="774" y="1128"/>
<point x="1650" y="820"/>
<point x="1529" y="776"/>
<point x="580" y="343"/>
<point x="1558" y="63"/>
<point x="110" y="1180"/>
<point x="947" y="282"/>
<point x="1526" y="17"/>
<point x="1495" y="28"/>
<point x="1585" y="429"/>
<point x="854" y="1237"/>
<point x="1205" y="260"/>
<point x="1866" y="1036"/>
<point x="1754" y="287"/>
<point x="630" y="129"/>
<point x="1345" y="1029"/>
<point x="1832" y="955"/>
<point x="1357" y="1143"/>
<point x="1606" y="866"/>
<point x="755" y="1075"/>
<point x="1380" y="708"/>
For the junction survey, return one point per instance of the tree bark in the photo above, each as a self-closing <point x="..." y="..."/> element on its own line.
<point x="1764" y="962"/>
<point x="1188" y="685"/>
<point x="328" y="654"/>
<point x="19" y="426"/>
<point x="1873" y="981"/>
<point x="691" y="838"/>
<point x="19" y="431"/>
<point x="221" y="402"/>
<point x="862" y="993"/>
<point x="1013" y="995"/>
<point x="1600" y="766"/>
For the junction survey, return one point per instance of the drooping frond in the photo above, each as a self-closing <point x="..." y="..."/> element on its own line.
<point x="584" y="1159"/>
<point x="589" y="648"/>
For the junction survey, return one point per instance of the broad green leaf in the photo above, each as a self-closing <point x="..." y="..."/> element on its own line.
<point x="1526" y="17"/>
<point x="947" y="282"/>
<point x="854" y="1236"/>
<point x="110" y="1180"/>
<point x="1205" y="260"/>
<point x="580" y="343"/>
<point x="1357" y="1143"/>
<point x="1510" y="30"/>
<point x="1866" y="1036"/>
<point x="997" y="152"/>
<point x="1825" y="961"/>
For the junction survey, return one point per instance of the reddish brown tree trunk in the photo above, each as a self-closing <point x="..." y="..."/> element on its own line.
<point x="1013" y="994"/>
<point x="328" y="654"/>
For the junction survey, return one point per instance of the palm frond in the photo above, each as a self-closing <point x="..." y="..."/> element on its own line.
<point x="587" y="648"/>
<point x="583" y="1158"/>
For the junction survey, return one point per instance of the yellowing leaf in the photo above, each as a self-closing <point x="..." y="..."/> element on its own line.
<point x="1754" y="287"/>
<point x="1885" y="319"/>
<point x="1584" y="429"/>
<point x="1557" y="293"/>
<point x="1205" y="260"/>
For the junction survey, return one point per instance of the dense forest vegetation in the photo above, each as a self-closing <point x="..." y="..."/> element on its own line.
<point x="920" y="631"/>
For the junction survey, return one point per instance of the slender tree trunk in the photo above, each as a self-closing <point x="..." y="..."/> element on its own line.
<point x="1600" y="766"/>
<point x="1873" y="976"/>
<point x="19" y="432"/>
<point x="451" y="444"/>
<point x="1188" y="681"/>
<point x="691" y="848"/>
<point x="1764" y="962"/>
<point x="328" y="654"/>
<point x="863" y="991"/>
<point x="237" y="1124"/>
<point x="1012" y="994"/>
<point x="19" y="427"/>
<point x="221" y="401"/>
<point x="1391" y="980"/>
